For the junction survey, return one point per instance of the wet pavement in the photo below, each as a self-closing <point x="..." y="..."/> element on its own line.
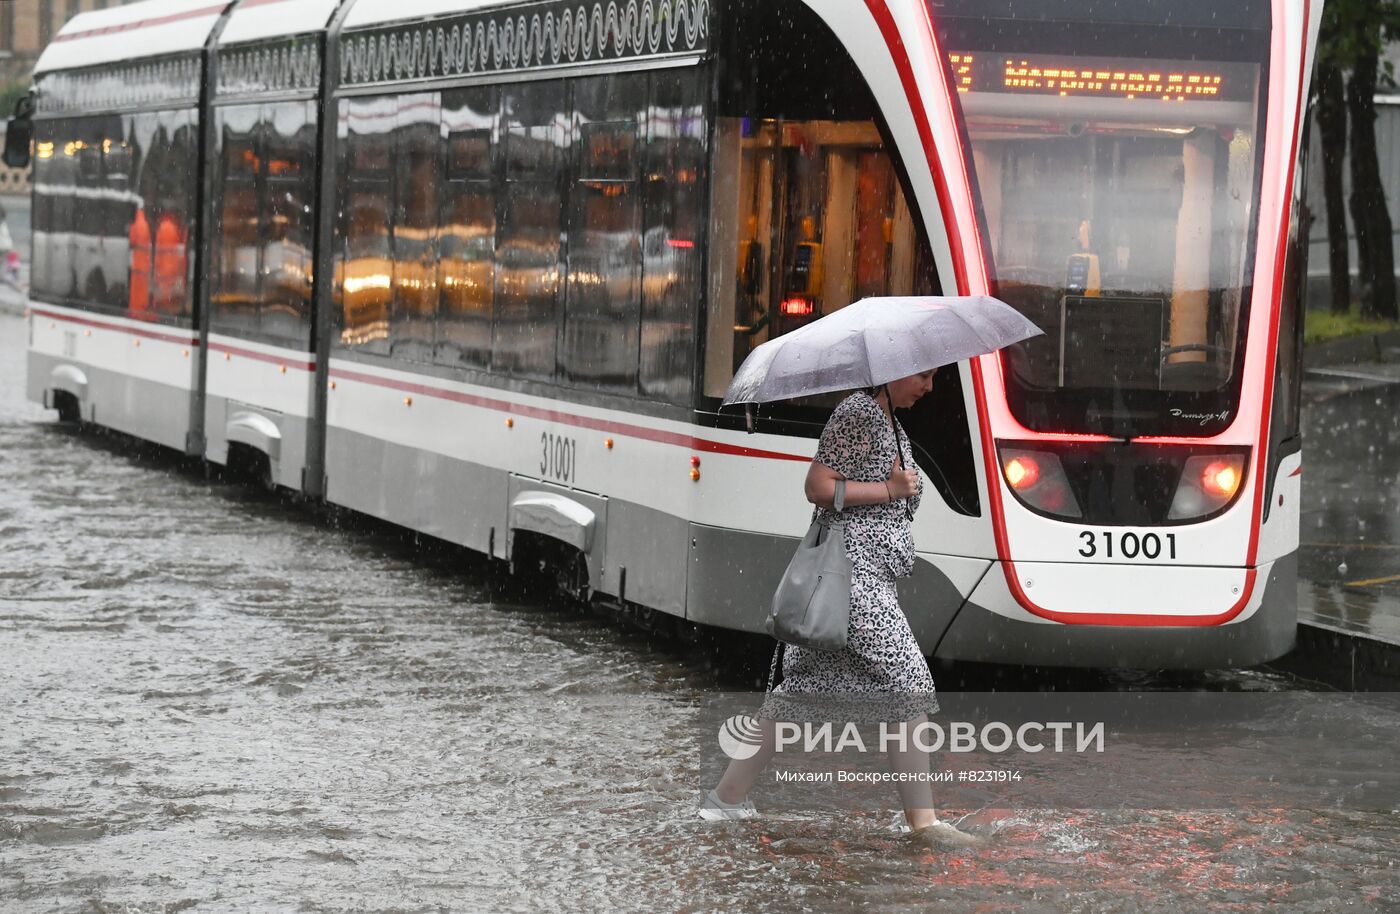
<point x="1350" y="522"/>
<point x="218" y="701"/>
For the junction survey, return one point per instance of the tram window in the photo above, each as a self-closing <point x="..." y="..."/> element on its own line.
<point x="467" y="233"/>
<point x="808" y="213"/>
<point x="364" y="272"/>
<point x="237" y="227"/>
<point x="167" y="184"/>
<point x="289" y="131"/>
<point x="42" y="216"/>
<point x="147" y="135"/>
<point x="87" y="229"/>
<point x="812" y="220"/>
<point x="603" y="315"/>
<point x="528" y="249"/>
<point x="673" y="169"/>
<point x="47" y="149"/>
<point x="1119" y="205"/>
<point x="417" y="189"/>
<point x="173" y="260"/>
<point x="62" y="274"/>
<point x="118" y="161"/>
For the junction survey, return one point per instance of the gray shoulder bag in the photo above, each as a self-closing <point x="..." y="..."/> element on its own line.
<point x="812" y="606"/>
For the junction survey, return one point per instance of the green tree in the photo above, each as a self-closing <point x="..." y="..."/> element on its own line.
<point x="1330" y="108"/>
<point x="1353" y="33"/>
<point x="10" y="93"/>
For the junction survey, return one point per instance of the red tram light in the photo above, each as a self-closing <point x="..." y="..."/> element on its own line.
<point x="1208" y="483"/>
<point x="1221" y="478"/>
<point x="796" y="307"/>
<point x="1022" y="472"/>
<point x="1038" y="480"/>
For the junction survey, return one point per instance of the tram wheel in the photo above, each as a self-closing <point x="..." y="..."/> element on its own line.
<point x="251" y="467"/>
<point x="68" y="408"/>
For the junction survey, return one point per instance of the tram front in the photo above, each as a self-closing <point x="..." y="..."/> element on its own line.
<point x="1132" y="170"/>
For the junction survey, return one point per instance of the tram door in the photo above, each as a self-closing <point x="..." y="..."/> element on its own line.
<point x="822" y="224"/>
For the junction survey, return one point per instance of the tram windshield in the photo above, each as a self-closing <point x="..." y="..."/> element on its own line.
<point x="1117" y="165"/>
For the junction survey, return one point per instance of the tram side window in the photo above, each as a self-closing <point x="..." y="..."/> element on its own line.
<point x="603" y="315"/>
<point x="55" y="277"/>
<point x="158" y="239"/>
<point x="363" y="273"/>
<point x="119" y="159"/>
<point x="174" y="215"/>
<point x="263" y="186"/>
<point x="288" y="220"/>
<point x="45" y="192"/>
<point x="673" y="164"/>
<point x="528" y="248"/>
<point x="148" y="136"/>
<point x="88" y="247"/>
<point x="114" y="203"/>
<point x="417" y="178"/>
<point x="547" y="230"/>
<point x="237" y="230"/>
<point x="467" y="234"/>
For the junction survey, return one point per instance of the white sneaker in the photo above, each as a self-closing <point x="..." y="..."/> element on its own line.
<point x="946" y="836"/>
<point x="712" y="809"/>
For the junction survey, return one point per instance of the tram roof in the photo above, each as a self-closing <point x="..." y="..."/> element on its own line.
<point x="149" y="29"/>
<point x="374" y="12"/>
<point x="253" y="20"/>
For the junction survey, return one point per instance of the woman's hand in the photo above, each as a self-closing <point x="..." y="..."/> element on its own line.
<point x="821" y="487"/>
<point x="903" y="483"/>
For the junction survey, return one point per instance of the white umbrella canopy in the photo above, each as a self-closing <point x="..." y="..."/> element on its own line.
<point x="875" y="341"/>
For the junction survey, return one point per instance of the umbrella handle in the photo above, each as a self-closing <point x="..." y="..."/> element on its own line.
<point x="750" y="422"/>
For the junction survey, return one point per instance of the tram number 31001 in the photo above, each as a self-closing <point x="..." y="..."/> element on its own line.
<point x="1127" y="545"/>
<point x="558" y="457"/>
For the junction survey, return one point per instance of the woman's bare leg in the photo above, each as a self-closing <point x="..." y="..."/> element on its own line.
<point x="741" y="774"/>
<point x="916" y="795"/>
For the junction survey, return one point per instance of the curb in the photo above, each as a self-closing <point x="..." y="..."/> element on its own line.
<point x="1344" y="659"/>
<point x="1351" y="350"/>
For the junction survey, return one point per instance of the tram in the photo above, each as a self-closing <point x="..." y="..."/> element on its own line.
<point x="484" y="270"/>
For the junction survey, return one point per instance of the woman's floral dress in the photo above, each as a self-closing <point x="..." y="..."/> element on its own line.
<point x="881" y="674"/>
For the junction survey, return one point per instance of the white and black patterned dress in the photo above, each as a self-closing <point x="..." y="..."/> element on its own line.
<point x="881" y="674"/>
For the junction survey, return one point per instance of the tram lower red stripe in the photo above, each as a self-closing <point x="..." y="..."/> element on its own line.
<point x="297" y="362"/>
<point x="189" y="340"/>
<point x="677" y="439"/>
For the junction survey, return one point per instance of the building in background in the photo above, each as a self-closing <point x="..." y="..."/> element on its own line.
<point x="27" y="26"/>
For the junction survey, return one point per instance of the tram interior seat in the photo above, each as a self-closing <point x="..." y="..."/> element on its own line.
<point x="1210" y="374"/>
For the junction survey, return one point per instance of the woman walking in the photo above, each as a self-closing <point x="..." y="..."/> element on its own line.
<point x="881" y="674"/>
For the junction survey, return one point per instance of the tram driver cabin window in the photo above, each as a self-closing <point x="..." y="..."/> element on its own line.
<point x="809" y="213"/>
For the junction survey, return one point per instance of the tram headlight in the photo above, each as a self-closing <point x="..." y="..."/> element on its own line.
<point x="1038" y="480"/>
<point x="1208" y="483"/>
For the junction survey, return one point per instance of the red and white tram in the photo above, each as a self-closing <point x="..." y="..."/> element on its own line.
<point x="484" y="269"/>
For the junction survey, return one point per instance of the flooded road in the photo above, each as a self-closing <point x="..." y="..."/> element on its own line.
<point x="215" y="701"/>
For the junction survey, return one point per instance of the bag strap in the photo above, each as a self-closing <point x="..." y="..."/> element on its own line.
<point x="773" y="667"/>
<point x="840" y="500"/>
<point x="898" y="439"/>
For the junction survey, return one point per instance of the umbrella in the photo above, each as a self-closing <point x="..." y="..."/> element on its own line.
<point x="875" y="341"/>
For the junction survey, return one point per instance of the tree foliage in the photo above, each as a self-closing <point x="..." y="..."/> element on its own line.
<point x="1353" y="34"/>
